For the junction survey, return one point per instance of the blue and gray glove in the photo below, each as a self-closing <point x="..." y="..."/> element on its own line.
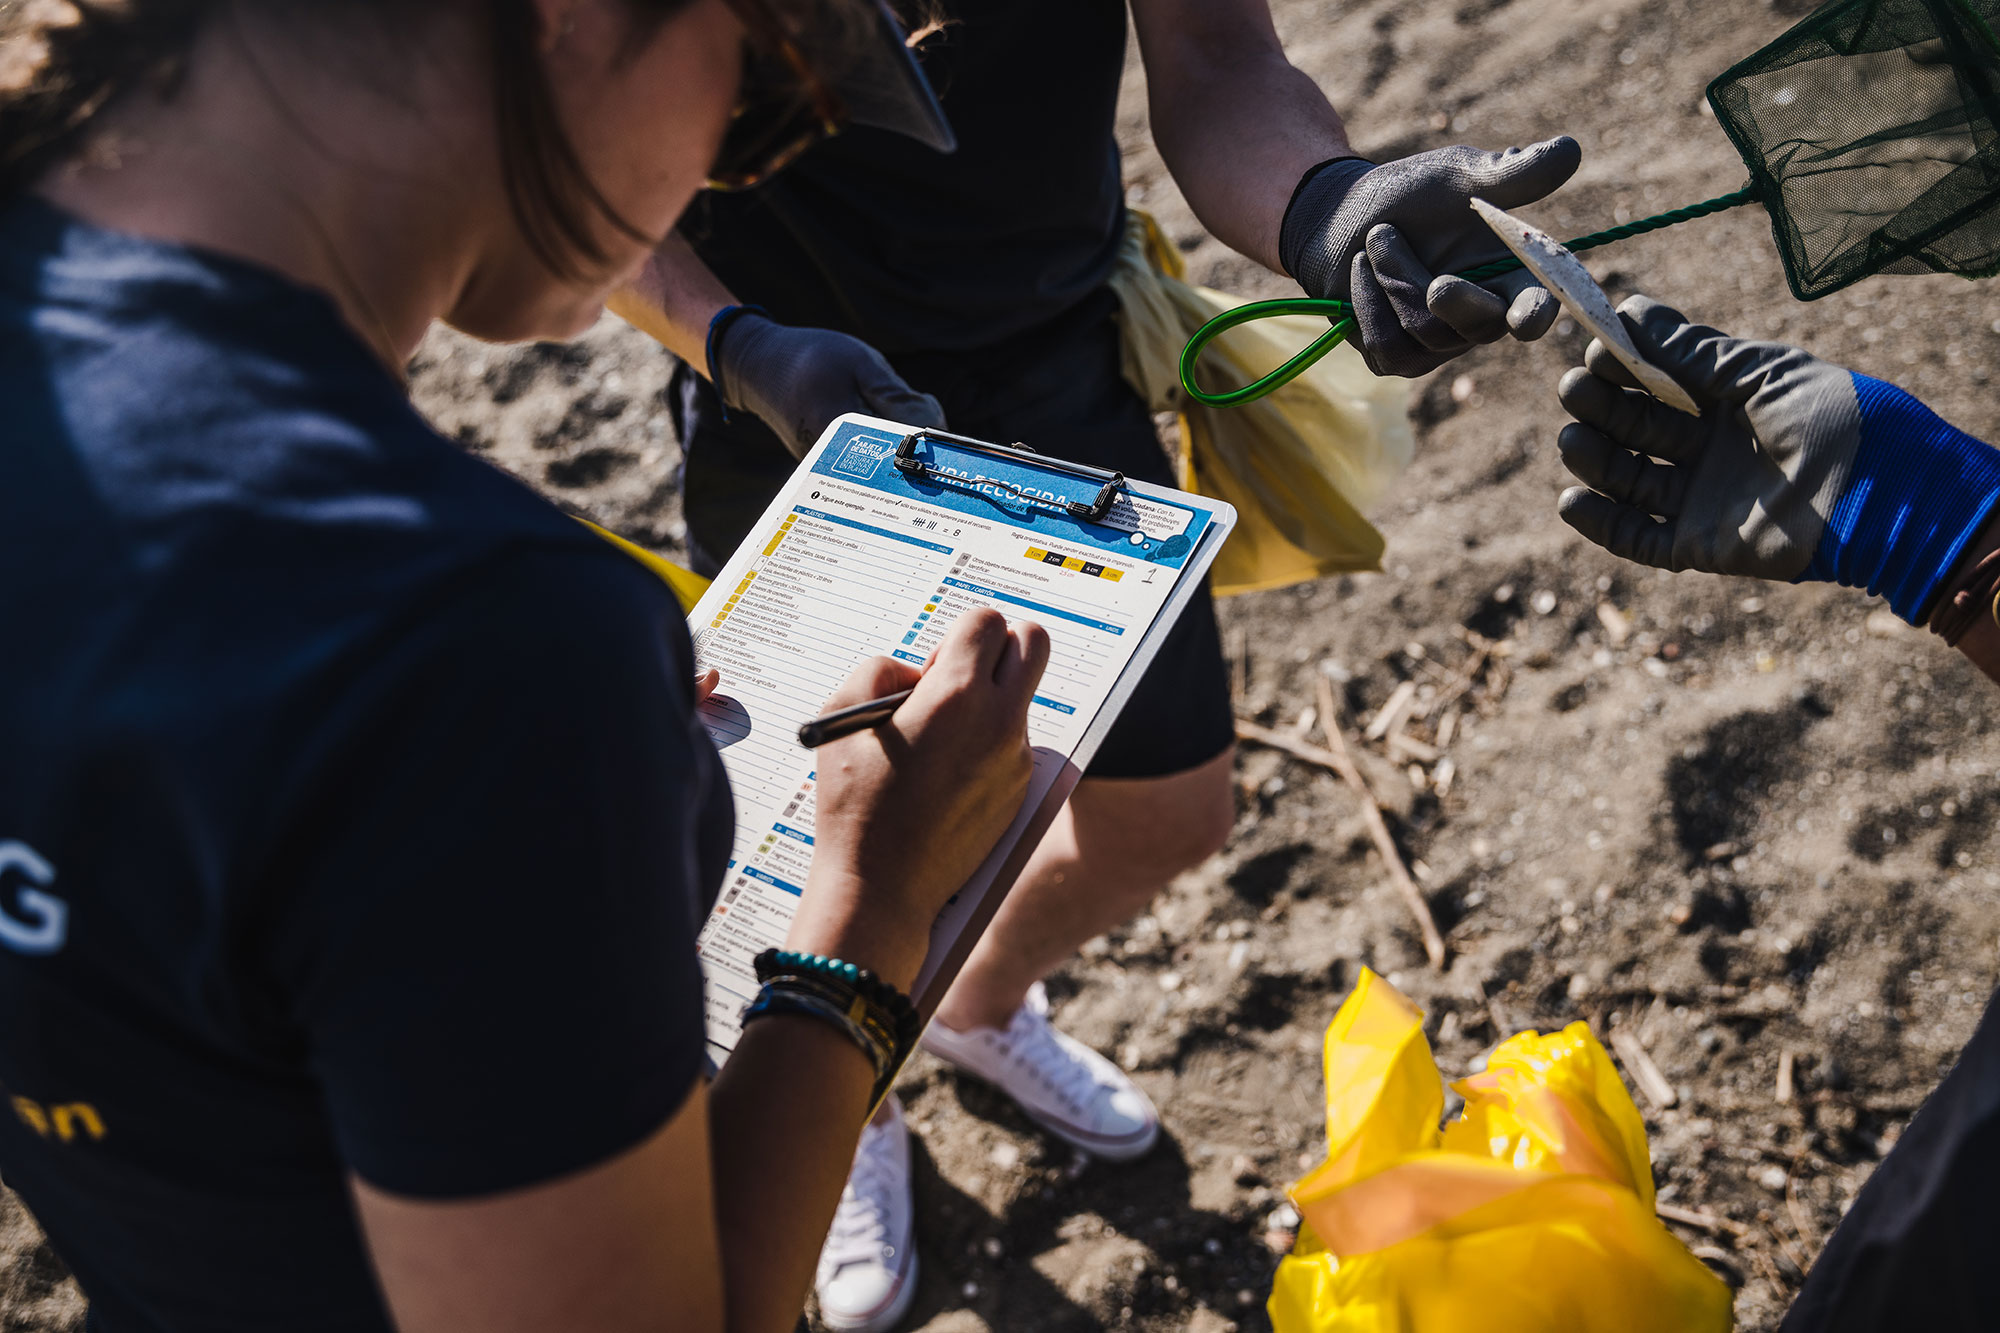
<point x="797" y="380"/>
<point x="1796" y="469"/>
<point x="1388" y="238"/>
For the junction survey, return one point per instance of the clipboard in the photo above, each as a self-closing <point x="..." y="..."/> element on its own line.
<point x="881" y="537"/>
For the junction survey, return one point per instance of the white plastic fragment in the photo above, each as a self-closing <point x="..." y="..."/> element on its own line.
<point x="1564" y="275"/>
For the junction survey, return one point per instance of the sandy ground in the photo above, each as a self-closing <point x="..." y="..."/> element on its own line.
<point x="1748" y="824"/>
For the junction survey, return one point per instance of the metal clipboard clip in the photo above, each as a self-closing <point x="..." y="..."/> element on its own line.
<point x="1109" y="483"/>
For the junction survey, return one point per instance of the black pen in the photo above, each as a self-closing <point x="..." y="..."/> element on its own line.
<point x="846" y="721"/>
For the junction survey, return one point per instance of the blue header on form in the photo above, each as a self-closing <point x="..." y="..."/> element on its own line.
<point x="865" y="456"/>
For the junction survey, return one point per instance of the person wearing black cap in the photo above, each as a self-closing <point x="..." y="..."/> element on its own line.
<point x="967" y="289"/>
<point x="355" y="823"/>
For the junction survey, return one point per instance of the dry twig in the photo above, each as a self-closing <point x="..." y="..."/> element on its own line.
<point x="1709" y="1222"/>
<point x="1769" y="1268"/>
<point x="1644" y="1072"/>
<point x="1391" y="717"/>
<point x="1800" y="1223"/>
<point x="1341" y="764"/>
<point x="1402" y="745"/>
<point x="1792" y="1256"/>
<point x="1378" y="828"/>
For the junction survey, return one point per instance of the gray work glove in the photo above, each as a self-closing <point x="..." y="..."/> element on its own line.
<point x="797" y="380"/>
<point x="1387" y="238"/>
<point x="1743" y="489"/>
<point x="1796" y="469"/>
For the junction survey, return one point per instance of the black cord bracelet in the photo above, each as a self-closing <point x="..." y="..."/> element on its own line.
<point x="874" y="1014"/>
<point x="778" y="998"/>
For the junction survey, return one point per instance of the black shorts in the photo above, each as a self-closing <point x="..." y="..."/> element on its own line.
<point x="1058" y="389"/>
<point x="1917" y="1249"/>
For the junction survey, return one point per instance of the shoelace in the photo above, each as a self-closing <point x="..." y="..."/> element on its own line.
<point x="858" y="1234"/>
<point x="1030" y="1042"/>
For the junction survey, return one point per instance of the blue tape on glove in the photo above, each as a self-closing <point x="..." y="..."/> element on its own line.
<point x="1920" y="490"/>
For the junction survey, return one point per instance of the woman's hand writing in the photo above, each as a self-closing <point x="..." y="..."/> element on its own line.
<point x="907" y="812"/>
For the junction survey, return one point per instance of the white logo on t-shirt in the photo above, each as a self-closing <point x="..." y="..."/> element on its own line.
<point x="37" y="922"/>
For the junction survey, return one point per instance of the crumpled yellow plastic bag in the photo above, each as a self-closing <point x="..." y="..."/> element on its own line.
<point x="1530" y="1213"/>
<point x="687" y="585"/>
<point x="1301" y="464"/>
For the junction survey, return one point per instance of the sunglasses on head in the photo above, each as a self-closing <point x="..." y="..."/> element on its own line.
<point x="783" y="108"/>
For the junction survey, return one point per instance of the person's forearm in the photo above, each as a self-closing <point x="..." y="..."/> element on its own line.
<point x="785" y="1114"/>
<point x="1238" y="126"/>
<point x="672" y="300"/>
<point x="787" y="1110"/>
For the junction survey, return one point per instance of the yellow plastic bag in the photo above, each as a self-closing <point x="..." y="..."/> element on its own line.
<point x="1531" y="1213"/>
<point x="1299" y="465"/>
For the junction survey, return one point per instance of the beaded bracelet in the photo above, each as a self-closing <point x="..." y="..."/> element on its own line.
<point x="870" y="1017"/>
<point x="787" y="962"/>
<point x="875" y="1015"/>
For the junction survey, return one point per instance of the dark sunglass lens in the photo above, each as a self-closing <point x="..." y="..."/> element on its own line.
<point x="779" y="114"/>
<point x="756" y="135"/>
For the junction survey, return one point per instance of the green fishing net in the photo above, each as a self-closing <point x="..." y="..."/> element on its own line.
<point x="1872" y="134"/>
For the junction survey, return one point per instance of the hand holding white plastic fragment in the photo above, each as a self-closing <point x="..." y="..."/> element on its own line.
<point x="1564" y="274"/>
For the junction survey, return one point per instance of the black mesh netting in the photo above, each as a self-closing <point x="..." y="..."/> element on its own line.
<point x="1870" y="134"/>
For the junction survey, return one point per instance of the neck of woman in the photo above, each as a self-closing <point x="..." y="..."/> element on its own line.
<point x="341" y="184"/>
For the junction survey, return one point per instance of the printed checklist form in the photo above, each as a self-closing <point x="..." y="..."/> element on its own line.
<point x="883" y="538"/>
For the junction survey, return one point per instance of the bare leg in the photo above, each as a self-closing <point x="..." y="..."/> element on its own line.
<point x="1114" y="846"/>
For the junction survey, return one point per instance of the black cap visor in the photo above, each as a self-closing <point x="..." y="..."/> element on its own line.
<point x="883" y="87"/>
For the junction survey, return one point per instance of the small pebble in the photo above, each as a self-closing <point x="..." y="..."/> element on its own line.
<point x="1772" y="1178"/>
<point x="1544" y="602"/>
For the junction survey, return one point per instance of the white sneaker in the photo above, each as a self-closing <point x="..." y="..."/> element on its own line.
<point x="868" y="1267"/>
<point x="1063" y="1085"/>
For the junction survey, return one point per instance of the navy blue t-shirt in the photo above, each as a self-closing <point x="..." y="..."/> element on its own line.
<point x="353" y="812"/>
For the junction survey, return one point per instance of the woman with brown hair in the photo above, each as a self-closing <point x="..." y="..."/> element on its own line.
<point x="355" y="824"/>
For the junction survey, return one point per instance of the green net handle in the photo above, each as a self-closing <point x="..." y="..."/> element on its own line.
<point x="1341" y="313"/>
